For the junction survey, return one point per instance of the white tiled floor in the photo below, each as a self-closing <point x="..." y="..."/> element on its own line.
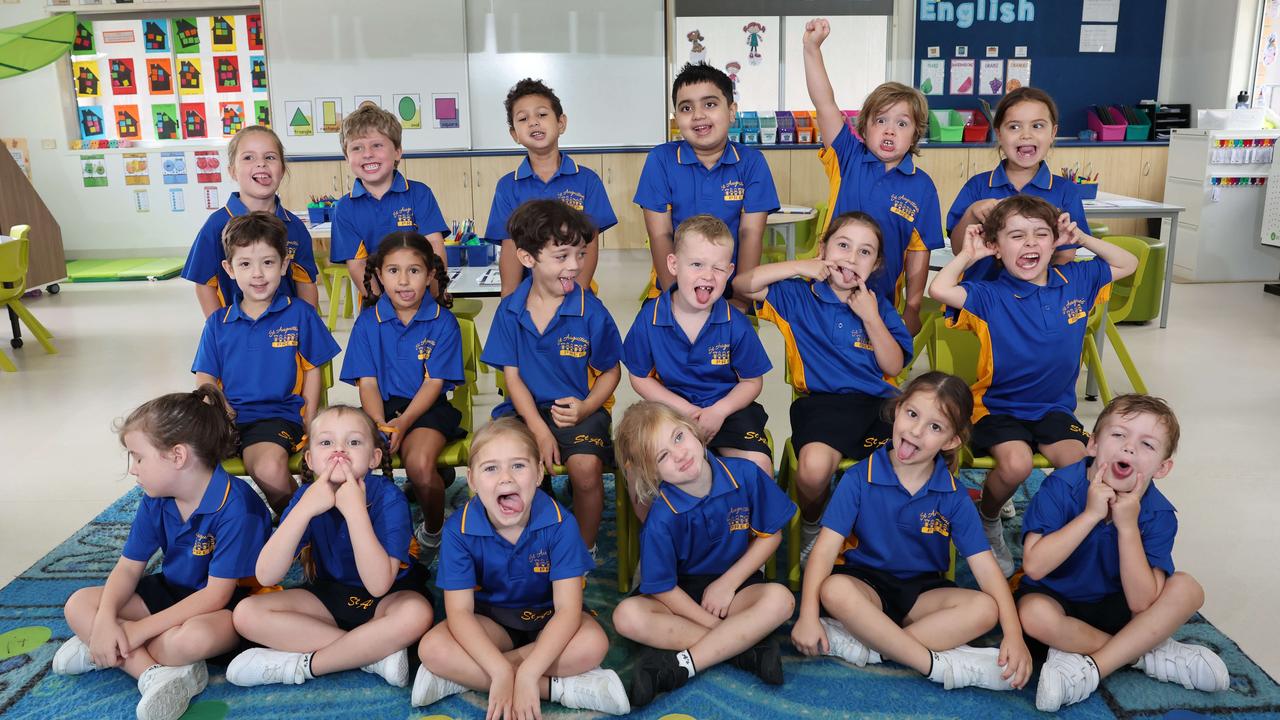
<point x="122" y="343"/>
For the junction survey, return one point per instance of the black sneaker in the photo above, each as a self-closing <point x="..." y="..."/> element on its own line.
<point x="764" y="660"/>
<point x="656" y="672"/>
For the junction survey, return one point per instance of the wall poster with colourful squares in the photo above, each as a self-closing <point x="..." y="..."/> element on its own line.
<point x="154" y="79"/>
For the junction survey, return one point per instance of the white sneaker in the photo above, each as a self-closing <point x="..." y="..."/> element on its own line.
<point x="393" y="668"/>
<point x="429" y="688"/>
<point x="1065" y="678"/>
<point x="846" y="646"/>
<point x="1008" y="511"/>
<point x="809" y="533"/>
<point x="1194" y="667"/>
<point x="594" y="551"/>
<point x="166" y="691"/>
<point x="73" y="658"/>
<point x="994" y="530"/>
<point x="966" y="666"/>
<point x="599" y="689"/>
<point x="428" y="543"/>
<point x="263" y="666"/>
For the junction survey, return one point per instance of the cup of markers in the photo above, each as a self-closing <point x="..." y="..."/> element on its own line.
<point x="320" y="208"/>
<point x="1086" y="184"/>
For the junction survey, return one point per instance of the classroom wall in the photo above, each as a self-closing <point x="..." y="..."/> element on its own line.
<point x="1208" y="56"/>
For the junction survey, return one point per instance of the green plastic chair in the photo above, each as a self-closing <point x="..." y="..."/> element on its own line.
<point x="14" y="259"/>
<point x="1123" y="297"/>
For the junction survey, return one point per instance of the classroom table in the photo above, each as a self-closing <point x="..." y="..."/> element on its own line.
<point x="1109" y="205"/>
<point x="784" y="221"/>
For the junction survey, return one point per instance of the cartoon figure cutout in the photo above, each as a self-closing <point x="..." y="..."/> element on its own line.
<point x="698" y="53"/>
<point x="732" y="68"/>
<point x="755" y="35"/>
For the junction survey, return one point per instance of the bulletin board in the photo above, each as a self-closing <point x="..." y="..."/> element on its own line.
<point x="1075" y="79"/>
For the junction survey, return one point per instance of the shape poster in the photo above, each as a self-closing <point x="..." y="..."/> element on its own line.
<point x="444" y="108"/>
<point x="298" y="117"/>
<point x="408" y="108"/>
<point x="330" y="114"/>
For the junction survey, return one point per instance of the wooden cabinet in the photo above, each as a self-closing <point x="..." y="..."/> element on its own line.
<point x="1155" y="165"/>
<point x="304" y="179"/>
<point x="621" y="175"/>
<point x="809" y="184"/>
<point x="780" y="167"/>
<point x="450" y="181"/>
<point x="949" y="169"/>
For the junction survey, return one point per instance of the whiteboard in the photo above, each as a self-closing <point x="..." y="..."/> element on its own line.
<point x="605" y="59"/>
<point x="325" y="55"/>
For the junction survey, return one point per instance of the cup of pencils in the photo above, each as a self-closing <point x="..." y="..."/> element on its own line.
<point x="1086" y="183"/>
<point x="320" y="208"/>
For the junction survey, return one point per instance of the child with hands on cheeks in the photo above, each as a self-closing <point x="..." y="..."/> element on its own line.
<point x="842" y="342"/>
<point x="1031" y="321"/>
<point x="512" y="568"/>
<point x="160" y="628"/>
<point x="702" y="599"/>
<point x="878" y="565"/>
<point x="365" y="599"/>
<point x="1099" y="587"/>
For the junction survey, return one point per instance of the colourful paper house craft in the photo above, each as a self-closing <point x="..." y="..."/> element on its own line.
<point x="161" y="79"/>
<point x="255" y="31"/>
<point x="262" y="113"/>
<point x="187" y="33"/>
<point x="166" y="126"/>
<point x="258" y="73"/>
<point x="126" y="124"/>
<point x="122" y="82"/>
<point x="223" y="33"/>
<point x="155" y="36"/>
<point x="232" y="119"/>
<point x="86" y="82"/>
<point x="90" y="123"/>
<point x="188" y="76"/>
<point x="193" y="124"/>
<point x="84" y="38"/>
<point x="227" y="74"/>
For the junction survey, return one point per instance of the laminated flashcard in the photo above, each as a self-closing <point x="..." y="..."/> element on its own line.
<point x="226" y="73"/>
<point x="155" y="35"/>
<point x="92" y="123"/>
<point x="961" y="77"/>
<point x="128" y="122"/>
<point x="330" y="114"/>
<point x="298" y="113"/>
<point x="262" y="113"/>
<point x="165" y="119"/>
<point x="211" y="198"/>
<point x="93" y="170"/>
<point x="444" y="107"/>
<point x="186" y="36"/>
<point x="254" y="23"/>
<point x="160" y="76"/>
<point x="177" y="200"/>
<point x="223" y="31"/>
<point x="232" y="115"/>
<point x="174" y="165"/>
<point x="258" y="73"/>
<point x="194" y="122"/>
<point x="991" y="77"/>
<point x="123" y="79"/>
<point x="88" y="79"/>
<point x="932" y="77"/>
<point x="409" y="109"/>
<point x="136" y="169"/>
<point x="141" y="200"/>
<point x="190" y="78"/>
<point x="207" y="166"/>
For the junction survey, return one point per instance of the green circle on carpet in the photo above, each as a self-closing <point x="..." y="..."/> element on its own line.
<point x="212" y="710"/>
<point x="20" y="641"/>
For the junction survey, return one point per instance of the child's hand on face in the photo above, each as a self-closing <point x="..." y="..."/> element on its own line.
<point x="809" y="637"/>
<point x="1125" y="505"/>
<point x="319" y="497"/>
<point x="350" y="496"/>
<point x="816" y="31"/>
<point x="566" y="412"/>
<point x="1098" y="502"/>
<point x="1068" y="231"/>
<point x="975" y="243"/>
<point x="815" y="269"/>
<point x="863" y="302"/>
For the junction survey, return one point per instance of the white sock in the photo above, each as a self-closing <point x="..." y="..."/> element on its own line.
<point x="306" y="666"/>
<point x="556" y="690"/>
<point x="686" y="661"/>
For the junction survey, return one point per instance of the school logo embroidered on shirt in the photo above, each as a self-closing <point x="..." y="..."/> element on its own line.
<point x="1074" y="311"/>
<point x="904" y="206"/>
<point x="734" y="191"/>
<point x="204" y="545"/>
<point x="573" y="346"/>
<point x="425" y="347"/>
<point x="719" y="353"/>
<point x="860" y="340"/>
<point x="540" y="561"/>
<point x="284" y="337"/>
<point x="404" y="217"/>
<point x="575" y="200"/>
<point x="933" y="523"/>
<point x="739" y="519"/>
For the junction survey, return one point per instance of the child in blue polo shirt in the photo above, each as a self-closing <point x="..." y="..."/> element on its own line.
<point x="705" y="173"/>
<point x="875" y="174"/>
<point x="1030" y="321"/>
<point x="1099" y="588"/>
<point x="842" y="342"/>
<point x="689" y="349"/>
<point x="513" y="568"/>
<point x="704" y="597"/>
<point x="1026" y="122"/>
<point x="365" y="599"/>
<point x="537" y="121"/>
<point x="255" y="159"/>
<point x="405" y="355"/>
<point x="382" y="200"/>
<point x="558" y="348"/>
<point x="209" y="526"/>
<point x="878" y="568"/>
<point x="265" y="352"/>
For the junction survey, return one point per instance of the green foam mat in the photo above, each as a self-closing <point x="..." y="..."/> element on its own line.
<point x="125" y="269"/>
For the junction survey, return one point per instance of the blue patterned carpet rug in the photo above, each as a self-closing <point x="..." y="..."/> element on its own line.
<point x="32" y="628"/>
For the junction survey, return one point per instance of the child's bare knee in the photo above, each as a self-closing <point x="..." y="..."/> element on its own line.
<point x="985" y="608"/>
<point x="628" y="618"/>
<point x="1038" y="615"/>
<point x="435" y="646"/>
<point x="1185" y="587"/>
<point x="780" y="600"/>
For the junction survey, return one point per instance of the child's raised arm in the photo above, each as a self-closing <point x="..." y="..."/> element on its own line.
<point x="754" y="284"/>
<point x="1122" y="262"/>
<point x="945" y="287"/>
<point x="830" y="119"/>
<point x="377" y="568"/>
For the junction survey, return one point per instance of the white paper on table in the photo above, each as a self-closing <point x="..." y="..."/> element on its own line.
<point x="1098" y="38"/>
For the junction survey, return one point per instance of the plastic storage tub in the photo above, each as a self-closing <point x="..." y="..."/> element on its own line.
<point x="946" y="126"/>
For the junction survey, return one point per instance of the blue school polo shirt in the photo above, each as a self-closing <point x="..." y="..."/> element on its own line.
<point x="905" y="535"/>
<point x="903" y="201"/>
<point x="995" y="185"/>
<point x="827" y="347"/>
<point x="673" y="179"/>
<point x="687" y="535"/>
<point x="473" y="556"/>
<point x="330" y="538"/>
<point x="260" y="363"/>
<point x="360" y="220"/>
<point x="221" y="538"/>
<point x="1031" y="338"/>
<point x="402" y="357"/>
<point x="726" y="350"/>
<point x="1092" y="571"/>
<point x="204" y="261"/>
<point x="576" y="186"/>
<point x="579" y="343"/>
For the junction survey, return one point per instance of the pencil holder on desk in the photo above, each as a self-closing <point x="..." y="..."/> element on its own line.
<point x="1088" y="191"/>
